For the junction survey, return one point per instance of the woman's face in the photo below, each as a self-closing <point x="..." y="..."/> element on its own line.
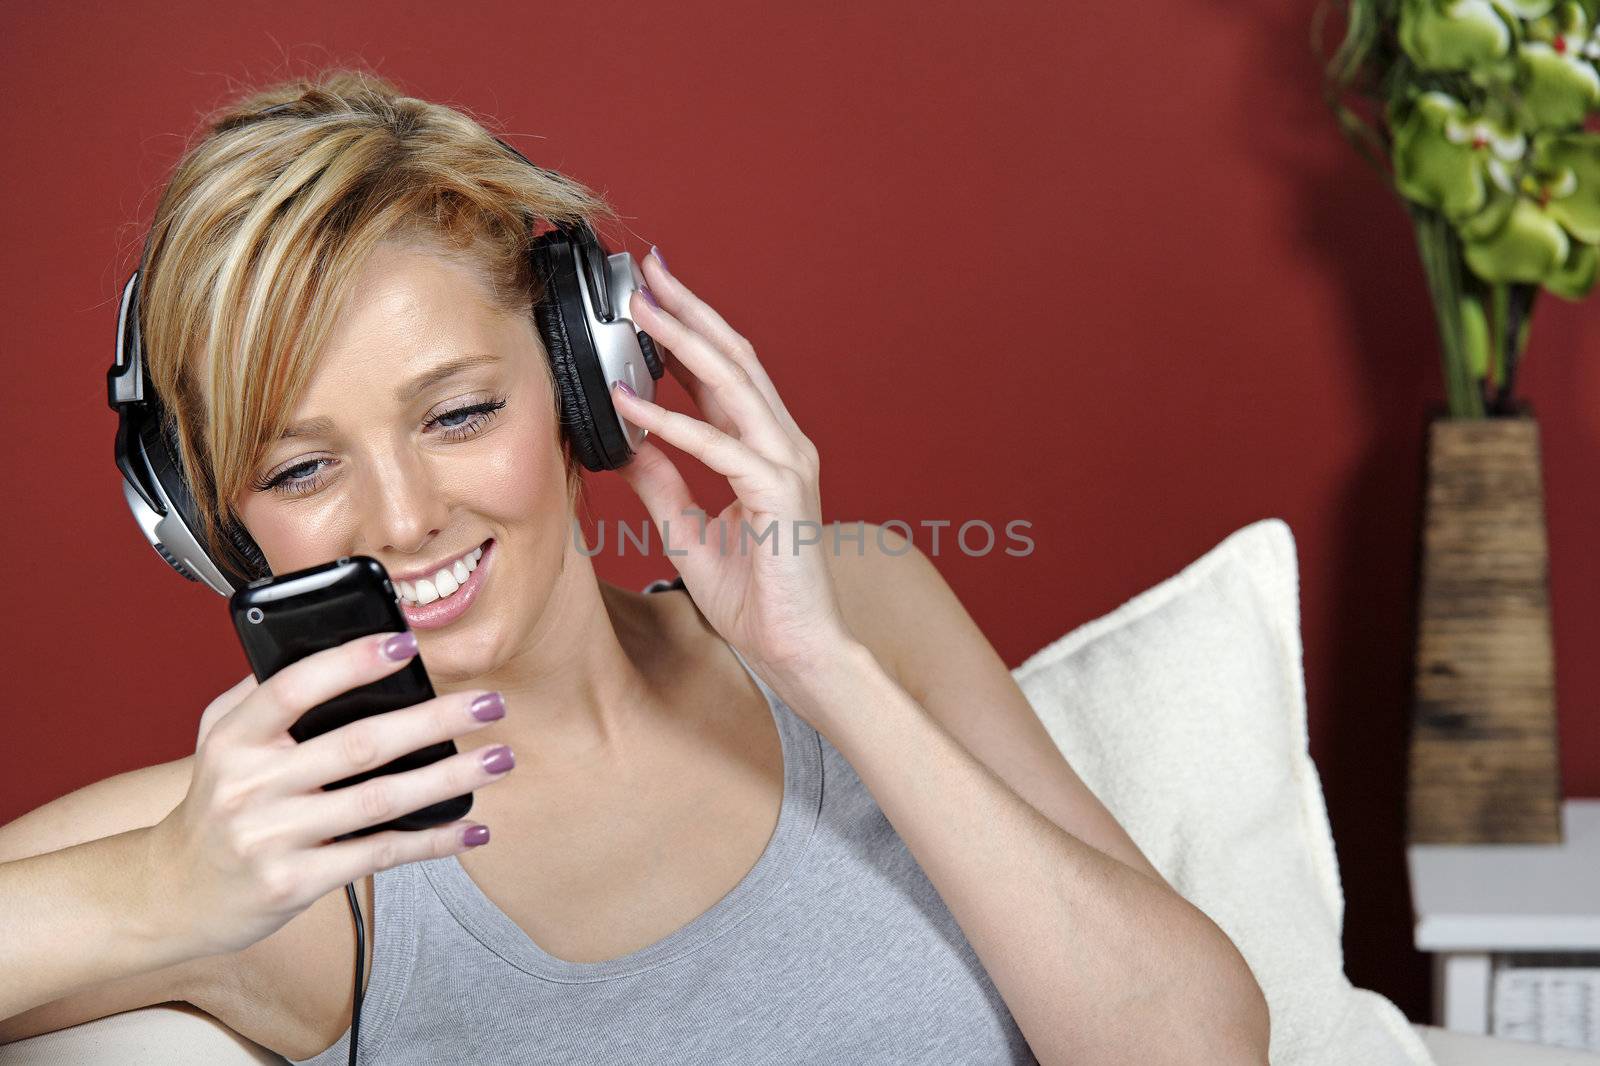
<point x="428" y="430"/>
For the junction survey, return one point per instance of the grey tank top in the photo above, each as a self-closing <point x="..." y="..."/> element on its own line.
<point x="835" y="948"/>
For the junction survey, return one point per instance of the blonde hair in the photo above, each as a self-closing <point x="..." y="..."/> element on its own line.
<point x="263" y="227"/>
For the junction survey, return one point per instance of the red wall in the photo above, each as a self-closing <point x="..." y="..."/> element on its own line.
<point x="1111" y="273"/>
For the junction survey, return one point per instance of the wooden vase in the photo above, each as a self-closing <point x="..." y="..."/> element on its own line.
<point x="1484" y="757"/>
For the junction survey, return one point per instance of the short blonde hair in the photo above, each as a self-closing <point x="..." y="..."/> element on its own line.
<point x="263" y="227"/>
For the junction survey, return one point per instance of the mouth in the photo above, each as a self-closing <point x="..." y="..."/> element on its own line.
<point x="426" y="603"/>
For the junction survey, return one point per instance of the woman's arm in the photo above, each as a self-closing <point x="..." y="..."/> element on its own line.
<point x="80" y="935"/>
<point x="1097" y="962"/>
<point x="77" y="918"/>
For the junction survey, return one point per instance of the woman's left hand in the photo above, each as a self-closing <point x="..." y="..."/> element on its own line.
<point x="774" y="602"/>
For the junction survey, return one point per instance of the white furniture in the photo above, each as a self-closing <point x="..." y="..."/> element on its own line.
<point x="1461" y="1049"/>
<point x="1476" y="904"/>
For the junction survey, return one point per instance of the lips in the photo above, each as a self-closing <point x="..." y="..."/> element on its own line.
<point x="424" y="588"/>
<point x="443" y="611"/>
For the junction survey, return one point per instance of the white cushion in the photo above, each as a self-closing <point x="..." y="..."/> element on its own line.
<point x="173" y="1034"/>
<point x="1184" y="711"/>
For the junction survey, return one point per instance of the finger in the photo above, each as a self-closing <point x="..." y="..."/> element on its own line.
<point x="320" y="676"/>
<point x="347" y="861"/>
<point x="379" y="739"/>
<point x="222" y="706"/>
<point x="748" y="472"/>
<point x="695" y="389"/>
<point x="677" y="298"/>
<point x="660" y="485"/>
<point x="378" y="799"/>
<point x="728" y="382"/>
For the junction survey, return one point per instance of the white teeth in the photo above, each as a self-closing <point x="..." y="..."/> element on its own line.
<point x="444" y="581"/>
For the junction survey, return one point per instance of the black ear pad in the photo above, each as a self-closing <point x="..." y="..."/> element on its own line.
<point x="248" y="549"/>
<point x="555" y="262"/>
<point x="165" y="457"/>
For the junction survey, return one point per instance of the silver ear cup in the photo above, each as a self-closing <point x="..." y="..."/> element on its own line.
<point x="592" y="343"/>
<point x="172" y="539"/>
<point x="626" y="353"/>
<point x="153" y="480"/>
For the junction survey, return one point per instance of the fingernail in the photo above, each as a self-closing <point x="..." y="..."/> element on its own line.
<point x="659" y="258"/>
<point x="623" y="386"/>
<point x="488" y="707"/>
<point x="473" y="835"/>
<point x="400" y="646"/>
<point x="498" y="759"/>
<point x="649" y="297"/>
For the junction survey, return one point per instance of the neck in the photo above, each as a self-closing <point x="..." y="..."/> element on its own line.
<point x="582" y="687"/>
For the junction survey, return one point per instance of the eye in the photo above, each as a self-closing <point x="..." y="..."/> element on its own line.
<point x="463" y="422"/>
<point x="458" y="424"/>
<point x="286" y="483"/>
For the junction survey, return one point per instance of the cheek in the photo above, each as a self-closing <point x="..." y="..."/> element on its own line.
<point x="522" y="474"/>
<point x="295" y="537"/>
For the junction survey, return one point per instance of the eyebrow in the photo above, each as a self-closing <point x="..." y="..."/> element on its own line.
<point x="429" y="378"/>
<point x="424" y="381"/>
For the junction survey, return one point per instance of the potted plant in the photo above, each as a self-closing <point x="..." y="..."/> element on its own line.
<point x="1480" y="115"/>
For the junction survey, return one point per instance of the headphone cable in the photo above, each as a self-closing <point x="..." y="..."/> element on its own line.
<point x="361" y="955"/>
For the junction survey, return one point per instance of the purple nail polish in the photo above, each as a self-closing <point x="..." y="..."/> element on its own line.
<point x="659" y="258"/>
<point x="473" y="835"/>
<point x="623" y="386"/>
<point x="488" y="707"/>
<point x="401" y="646"/>
<point x="650" y="297"/>
<point x="498" y="759"/>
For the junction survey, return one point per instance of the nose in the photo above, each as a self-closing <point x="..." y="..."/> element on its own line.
<point x="407" y="506"/>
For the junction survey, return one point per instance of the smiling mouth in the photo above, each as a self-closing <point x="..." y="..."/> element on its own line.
<point x="443" y="583"/>
<point x="445" y="610"/>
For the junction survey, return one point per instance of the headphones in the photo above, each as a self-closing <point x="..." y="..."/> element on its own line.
<point x="582" y="319"/>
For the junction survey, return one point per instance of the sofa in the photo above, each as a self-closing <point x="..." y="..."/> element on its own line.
<point x="1184" y="711"/>
<point x="176" y="1034"/>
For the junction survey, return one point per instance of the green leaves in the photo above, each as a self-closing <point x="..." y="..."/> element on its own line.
<point x="1550" y="228"/>
<point x="1453" y="36"/>
<point x="1553" y="51"/>
<point x="1522" y="216"/>
<point x="1475" y="336"/>
<point x="1560" y="84"/>
<point x="1445" y="158"/>
<point x="1483" y="105"/>
<point x="1570" y="182"/>
<point x="1528" y="248"/>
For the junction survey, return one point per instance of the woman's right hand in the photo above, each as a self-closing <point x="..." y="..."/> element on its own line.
<point x="250" y="846"/>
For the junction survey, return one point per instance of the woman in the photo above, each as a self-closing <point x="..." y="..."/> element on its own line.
<point x="795" y="810"/>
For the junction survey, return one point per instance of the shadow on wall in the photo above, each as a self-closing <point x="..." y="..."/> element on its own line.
<point x="1353" y="231"/>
